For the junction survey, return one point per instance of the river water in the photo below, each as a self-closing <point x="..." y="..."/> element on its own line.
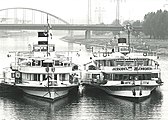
<point x="92" y="105"/>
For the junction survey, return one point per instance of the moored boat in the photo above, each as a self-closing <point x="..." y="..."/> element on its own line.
<point x="42" y="72"/>
<point x="123" y="72"/>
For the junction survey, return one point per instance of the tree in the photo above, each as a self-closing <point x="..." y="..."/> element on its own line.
<point x="155" y="24"/>
<point x="136" y="24"/>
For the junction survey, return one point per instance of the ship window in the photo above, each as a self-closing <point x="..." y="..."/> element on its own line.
<point x="145" y="63"/>
<point x="111" y="62"/>
<point x="125" y="77"/>
<point x="38" y="77"/>
<point x="139" y="63"/>
<point x="51" y="48"/>
<point x="66" y="64"/>
<point x="154" y="75"/>
<point x="36" y="49"/>
<point x="57" y="63"/>
<point x="47" y="65"/>
<point x="28" y="76"/>
<point x="92" y="67"/>
<point x="96" y="76"/>
<point x="119" y="63"/>
<point x="75" y="68"/>
<point x="43" y="48"/>
<point x="88" y="76"/>
<point x="55" y="76"/>
<point x="123" y="49"/>
<point x="44" y="77"/>
<point x="107" y="76"/>
<point x="63" y="77"/>
<point x="129" y="63"/>
<point x="37" y="63"/>
<point x="104" y="62"/>
<point x="107" y="62"/>
<point x="147" y="76"/>
<point x="99" y="63"/>
<point x="35" y="77"/>
<point x="140" y="77"/>
<point x="13" y="75"/>
<point x="116" y="77"/>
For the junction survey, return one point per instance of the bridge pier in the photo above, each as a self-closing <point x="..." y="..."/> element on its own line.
<point x="87" y="34"/>
<point x="70" y="33"/>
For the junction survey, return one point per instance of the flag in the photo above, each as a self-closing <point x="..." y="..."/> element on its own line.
<point x="42" y="34"/>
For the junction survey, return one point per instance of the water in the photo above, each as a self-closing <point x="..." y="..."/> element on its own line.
<point x="93" y="105"/>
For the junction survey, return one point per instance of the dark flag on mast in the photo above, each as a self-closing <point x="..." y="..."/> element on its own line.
<point x="42" y="34"/>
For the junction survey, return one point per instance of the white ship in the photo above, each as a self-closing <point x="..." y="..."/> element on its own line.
<point x="42" y="72"/>
<point x="123" y="72"/>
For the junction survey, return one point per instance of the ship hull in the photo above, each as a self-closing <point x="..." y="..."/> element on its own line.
<point x="49" y="93"/>
<point x="131" y="91"/>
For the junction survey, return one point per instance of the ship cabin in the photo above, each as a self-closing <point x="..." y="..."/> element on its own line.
<point x="40" y="49"/>
<point x="123" y="70"/>
<point x="122" y="46"/>
<point x="116" y="69"/>
<point x="39" y="66"/>
<point x="36" y="70"/>
<point x="123" y="65"/>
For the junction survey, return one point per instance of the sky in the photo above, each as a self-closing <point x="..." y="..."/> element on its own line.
<point x="76" y="11"/>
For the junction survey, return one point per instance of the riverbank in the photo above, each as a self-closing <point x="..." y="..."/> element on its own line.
<point x="158" y="45"/>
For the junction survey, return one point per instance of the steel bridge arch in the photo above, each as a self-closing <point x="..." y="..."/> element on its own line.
<point x="37" y="11"/>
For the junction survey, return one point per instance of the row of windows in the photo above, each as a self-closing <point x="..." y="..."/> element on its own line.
<point x="123" y="77"/>
<point x="43" y="48"/>
<point x="42" y="77"/>
<point x="41" y="63"/>
<point x="131" y="77"/>
<point x="124" y="63"/>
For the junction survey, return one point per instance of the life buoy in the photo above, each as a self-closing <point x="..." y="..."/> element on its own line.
<point x="17" y="75"/>
<point x="144" y="54"/>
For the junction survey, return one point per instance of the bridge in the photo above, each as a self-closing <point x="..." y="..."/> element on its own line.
<point x="33" y="19"/>
<point x="61" y="27"/>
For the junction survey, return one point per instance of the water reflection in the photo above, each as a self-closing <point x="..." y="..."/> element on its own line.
<point x="93" y="105"/>
<point x="45" y="109"/>
<point x="110" y="107"/>
<point x="26" y="107"/>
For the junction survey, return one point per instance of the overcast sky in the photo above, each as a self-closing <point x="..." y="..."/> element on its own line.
<point x="77" y="10"/>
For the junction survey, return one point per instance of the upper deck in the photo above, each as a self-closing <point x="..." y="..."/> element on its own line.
<point x="124" y="59"/>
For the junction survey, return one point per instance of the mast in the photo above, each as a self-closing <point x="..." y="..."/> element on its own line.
<point x="47" y="34"/>
<point x="47" y="69"/>
<point x="128" y="27"/>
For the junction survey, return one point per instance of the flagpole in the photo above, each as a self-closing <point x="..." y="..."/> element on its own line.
<point x="47" y="34"/>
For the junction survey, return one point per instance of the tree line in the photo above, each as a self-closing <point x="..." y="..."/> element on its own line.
<point x="154" y="25"/>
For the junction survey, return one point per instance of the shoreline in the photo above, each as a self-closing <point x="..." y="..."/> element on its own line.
<point x="160" y="46"/>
